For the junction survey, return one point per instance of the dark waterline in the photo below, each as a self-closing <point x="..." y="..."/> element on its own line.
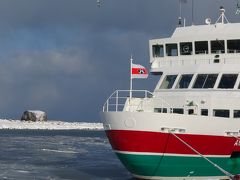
<point x="58" y="155"/>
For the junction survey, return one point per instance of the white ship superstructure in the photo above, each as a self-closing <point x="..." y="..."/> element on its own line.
<point x="189" y="127"/>
<point x="200" y="67"/>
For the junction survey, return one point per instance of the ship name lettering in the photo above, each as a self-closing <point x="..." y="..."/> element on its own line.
<point x="237" y="143"/>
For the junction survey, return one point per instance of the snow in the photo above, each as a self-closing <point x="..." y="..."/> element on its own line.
<point x="38" y="114"/>
<point x="36" y="111"/>
<point x="49" y="125"/>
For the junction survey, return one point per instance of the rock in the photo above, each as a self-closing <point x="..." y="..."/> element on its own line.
<point x="34" y="116"/>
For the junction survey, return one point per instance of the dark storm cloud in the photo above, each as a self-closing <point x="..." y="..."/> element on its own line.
<point x="67" y="56"/>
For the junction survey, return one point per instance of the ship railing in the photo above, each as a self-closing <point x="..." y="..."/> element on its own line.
<point x="141" y="100"/>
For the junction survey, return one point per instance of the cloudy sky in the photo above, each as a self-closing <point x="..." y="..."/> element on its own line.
<point x="66" y="57"/>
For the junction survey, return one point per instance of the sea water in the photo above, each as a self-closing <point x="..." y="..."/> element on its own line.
<point x="58" y="155"/>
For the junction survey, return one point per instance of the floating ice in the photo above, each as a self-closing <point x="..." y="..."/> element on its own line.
<point x="49" y="125"/>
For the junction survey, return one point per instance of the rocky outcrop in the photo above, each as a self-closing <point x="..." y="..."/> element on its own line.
<point x="34" y="116"/>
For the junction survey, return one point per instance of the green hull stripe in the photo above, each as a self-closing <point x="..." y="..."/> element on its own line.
<point x="177" y="166"/>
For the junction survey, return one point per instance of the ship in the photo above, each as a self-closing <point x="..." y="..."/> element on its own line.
<point x="189" y="126"/>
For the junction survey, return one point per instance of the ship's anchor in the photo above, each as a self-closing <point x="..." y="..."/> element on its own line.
<point x="231" y="176"/>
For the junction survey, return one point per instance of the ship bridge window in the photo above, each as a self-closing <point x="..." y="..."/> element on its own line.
<point x="221" y="112"/>
<point x="227" y="81"/>
<point x="201" y="47"/>
<point x="217" y="47"/>
<point x="233" y="46"/>
<point x="205" y="81"/>
<point x="184" y="81"/>
<point x="171" y="49"/>
<point x="168" y="82"/>
<point x="186" y="48"/>
<point x="158" y="50"/>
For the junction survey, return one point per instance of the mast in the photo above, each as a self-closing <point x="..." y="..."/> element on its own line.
<point x="180" y="12"/>
<point x="130" y="92"/>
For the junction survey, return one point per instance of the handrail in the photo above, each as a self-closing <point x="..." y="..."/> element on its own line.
<point x="117" y="99"/>
<point x="141" y="100"/>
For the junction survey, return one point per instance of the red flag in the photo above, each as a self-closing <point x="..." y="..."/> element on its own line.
<point x="138" y="71"/>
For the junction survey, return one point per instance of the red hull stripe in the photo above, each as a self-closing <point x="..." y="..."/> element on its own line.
<point x="157" y="142"/>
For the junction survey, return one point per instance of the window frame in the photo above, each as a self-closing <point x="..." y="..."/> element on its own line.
<point x="221" y="111"/>
<point x="236" y="113"/>
<point x="233" y="44"/>
<point x="198" y="44"/>
<point x="154" y="50"/>
<point x="178" y="110"/>
<point x="226" y="80"/>
<point x="183" y="48"/>
<point x="164" y="80"/>
<point x="209" y="78"/>
<point x="202" y="112"/>
<point x="214" y="46"/>
<point x="180" y="79"/>
<point x="160" y="110"/>
<point x="170" y="50"/>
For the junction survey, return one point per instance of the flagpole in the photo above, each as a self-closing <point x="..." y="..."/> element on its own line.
<point x="130" y="93"/>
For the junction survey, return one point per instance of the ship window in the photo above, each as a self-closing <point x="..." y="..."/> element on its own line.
<point x="160" y="110"/>
<point x="158" y="50"/>
<point x="190" y="111"/>
<point x="204" y="112"/>
<point x="205" y="81"/>
<point x="221" y="112"/>
<point x="236" y="113"/>
<point x="168" y="82"/>
<point x="171" y="49"/>
<point x="201" y="47"/>
<point x="217" y="47"/>
<point x="233" y="46"/>
<point x="186" y="48"/>
<point x="227" y="81"/>
<point x="178" y="110"/>
<point x="184" y="81"/>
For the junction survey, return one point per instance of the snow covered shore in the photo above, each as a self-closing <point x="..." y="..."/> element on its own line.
<point x="49" y="125"/>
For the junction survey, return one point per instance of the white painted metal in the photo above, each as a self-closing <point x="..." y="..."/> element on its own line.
<point x="156" y="122"/>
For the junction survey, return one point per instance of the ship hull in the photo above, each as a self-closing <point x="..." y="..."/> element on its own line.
<point x="148" y="151"/>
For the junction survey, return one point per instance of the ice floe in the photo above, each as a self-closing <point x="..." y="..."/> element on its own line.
<point x="49" y="125"/>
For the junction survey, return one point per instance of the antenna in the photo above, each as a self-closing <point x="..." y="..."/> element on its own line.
<point x="180" y="12"/>
<point x="222" y="16"/>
